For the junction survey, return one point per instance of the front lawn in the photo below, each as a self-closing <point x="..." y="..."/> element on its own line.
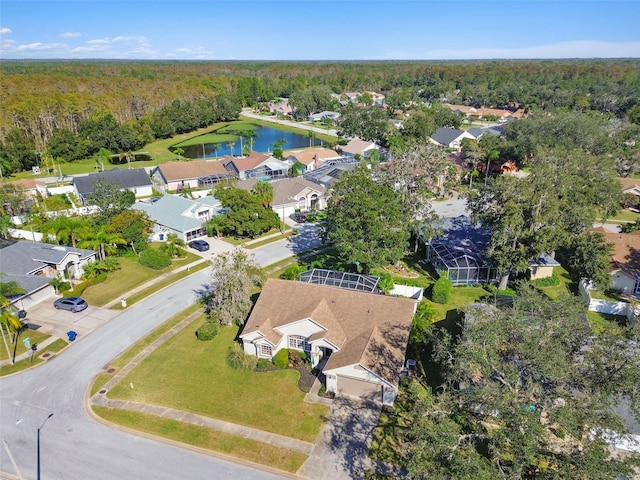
<point x="193" y="376"/>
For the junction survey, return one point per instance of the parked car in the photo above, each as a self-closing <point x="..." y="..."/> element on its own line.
<point x="298" y="217"/>
<point x="200" y="245"/>
<point x="73" y="304"/>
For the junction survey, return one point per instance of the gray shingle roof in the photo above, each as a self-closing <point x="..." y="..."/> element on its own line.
<point x="444" y="136"/>
<point x="134" y="178"/>
<point x="169" y="211"/>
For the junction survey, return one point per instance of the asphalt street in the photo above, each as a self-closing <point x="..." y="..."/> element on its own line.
<point x="73" y="445"/>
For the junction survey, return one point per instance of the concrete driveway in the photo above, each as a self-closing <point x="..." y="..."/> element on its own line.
<point x="342" y="447"/>
<point x="58" y="322"/>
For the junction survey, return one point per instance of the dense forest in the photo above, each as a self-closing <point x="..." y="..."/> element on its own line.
<point x="72" y="109"/>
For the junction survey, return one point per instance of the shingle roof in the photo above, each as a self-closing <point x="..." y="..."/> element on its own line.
<point x="369" y="329"/>
<point x="626" y="251"/>
<point x="357" y="146"/>
<point x="246" y="163"/>
<point x="285" y="189"/>
<point x="311" y="156"/>
<point x="136" y="177"/>
<point x="176" y="171"/>
<point x="444" y="136"/>
<point x="169" y="211"/>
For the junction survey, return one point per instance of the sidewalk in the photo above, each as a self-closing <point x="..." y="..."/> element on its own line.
<point x="45" y="343"/>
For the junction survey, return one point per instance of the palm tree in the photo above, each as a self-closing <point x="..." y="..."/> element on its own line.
<point x="67" y="229"/>
<point x="231" y="145"/>
<point x="172" y="245"/>
<point x="264" y="191"/>
<point x="179" y="151"/>
<point x="8" y="320"/>
<point x="5" y="225"/>
<point x="102" y="156"/>
<point x="127" y="156"/>
<point x="102" y="242"/>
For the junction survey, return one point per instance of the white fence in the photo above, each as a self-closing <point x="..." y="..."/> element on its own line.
<point x="25" y="234"/>
<point x="624" y="309"/>
<point x="407" y="291"/>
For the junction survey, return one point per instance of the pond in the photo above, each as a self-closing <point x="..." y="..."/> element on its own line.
<point x="266" y="137"/>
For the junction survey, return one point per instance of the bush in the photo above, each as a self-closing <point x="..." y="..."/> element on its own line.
<point x="155" y="259"/>
<point x="81" y="287"/>
<point x="264" y="364"/>
<point x="297" y="357"/>
<point x="441" y="290"/>
<point x="64" y="287"/>
<point x="291" y="272"/>
<point x="208" y="331"/>
<point x="551" y="281"/>
<point x="281" y="359"/>
<point x="236" y="358"/>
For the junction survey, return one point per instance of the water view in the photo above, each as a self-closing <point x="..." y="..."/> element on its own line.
<point x="263" y="142"/>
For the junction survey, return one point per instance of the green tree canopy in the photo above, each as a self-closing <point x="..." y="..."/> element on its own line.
<point x="245" y="216"/>
<point x="111" y="199"/>
<point x="366" y="221"/>
<point x="528" y="392"/>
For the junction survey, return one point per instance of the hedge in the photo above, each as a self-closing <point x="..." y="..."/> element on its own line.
<point x="208" y="331"/>
<point x="155" y="259"/>
<point x="281" y="359"/>
<point x="441" y="290"/>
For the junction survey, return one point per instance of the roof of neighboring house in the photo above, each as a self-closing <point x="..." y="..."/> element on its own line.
<point x="369" y="329"/>
<point x="544" y="260"/>
<point x="630" y="185"/>
<point x="134" y="178"/>
<point x="483" y="111"/>
<point x="327" y="174"/>
<point x="444" y="136"/>
<point x="169" y="211"/>
<point x="242" y="164"/>
<point x="358" y="146"/>
<point x="176" y="171"/>
<point x="626" y="251"/>
<point x="19" y="259"/>
<point x="29" y="184"/>
<point x="285" y="190"/>
<point x="312" y="156"/>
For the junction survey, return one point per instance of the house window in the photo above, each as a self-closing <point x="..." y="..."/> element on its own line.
<point x="299" y="343"/>
<point x="265" y="350"/>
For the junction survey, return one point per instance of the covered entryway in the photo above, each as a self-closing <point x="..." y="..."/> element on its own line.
<point x="355" y="387"/>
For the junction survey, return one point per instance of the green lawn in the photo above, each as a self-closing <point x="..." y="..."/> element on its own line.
<point x="56" y="346"/>
<point x="131" y="275"/>
<point x="190" y="375"/>
<point x="202" y="437"/>
<point x="35" y="337"/>
<point x="623" y="216"/>
<point x="566" y="285"/>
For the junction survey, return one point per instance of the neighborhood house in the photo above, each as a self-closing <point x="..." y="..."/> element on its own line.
<point x="357" y="339"/>
<point x="135" y="180"/>
<point x="175" y="176"/>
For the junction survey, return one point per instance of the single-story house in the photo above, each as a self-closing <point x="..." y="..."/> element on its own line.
<point x="357" y="339"/>
<point x="318" y="117"/>
<point x="281" y="107"/>
<point x="179" y="215"/>
<point x="311" y="158"/>
<point x="450" y="137"/>
<point x="480" y="112"/>
<point x="359" y="147"/>
<point x="256" y="165"/>
<point x="630" y="185"/>
<point x="625" y="261"/>
<point x="29" y="189"/>
<point x="135" y="179"/>
<point x="291" y="194"/>
<point x="478" y="133"/>
<point x="174" y="176"/>
<point x="33" y="264"/>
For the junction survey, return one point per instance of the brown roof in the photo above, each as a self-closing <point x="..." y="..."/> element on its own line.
<point x="285" y="190"/>
<point x="629" y="183"/>
<point x="312" y="156"/>
<point x="247" y="163"/>
<point x="626" y="250"/>
<point x="369" y="329"/>
<point x="483" y="111"/>
<point x="356" y="146"/>
<point x="174" y="171"/>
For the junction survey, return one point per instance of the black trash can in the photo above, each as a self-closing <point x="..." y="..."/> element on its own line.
<point x="72" y="335"/>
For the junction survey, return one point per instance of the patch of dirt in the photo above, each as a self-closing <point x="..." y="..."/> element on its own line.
<point x="401" y="270"/>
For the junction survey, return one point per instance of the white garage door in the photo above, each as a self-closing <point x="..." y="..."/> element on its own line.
<point x="359" y="388"/>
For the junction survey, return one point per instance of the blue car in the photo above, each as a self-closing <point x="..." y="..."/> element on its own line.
<point x="73" y="304"/>
<point x="199" y="245"/>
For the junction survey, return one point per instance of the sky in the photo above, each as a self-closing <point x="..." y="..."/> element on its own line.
<point x="318" y="29"/>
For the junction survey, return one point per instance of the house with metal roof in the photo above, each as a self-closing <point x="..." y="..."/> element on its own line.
<point x="34" y="264"/>
<point x="357" y="339"/>
<point x="179" y="215"/>
<point x="135" y="180"/>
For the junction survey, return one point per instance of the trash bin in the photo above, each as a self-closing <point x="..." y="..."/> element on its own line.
<point x="72" y="335"/>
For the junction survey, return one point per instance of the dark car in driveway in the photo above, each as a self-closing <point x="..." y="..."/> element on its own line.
<point x="200" y="245"/>
<point x="73" y="304"/>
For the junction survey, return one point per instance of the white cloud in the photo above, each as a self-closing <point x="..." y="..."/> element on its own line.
<point x="188" y="53"/>
<point x="70" y="35"/>
<point x="574" y="49"/>
<point x="4" y="30"/>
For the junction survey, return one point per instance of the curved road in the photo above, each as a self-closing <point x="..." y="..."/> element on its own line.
<point x="73" y="445"/>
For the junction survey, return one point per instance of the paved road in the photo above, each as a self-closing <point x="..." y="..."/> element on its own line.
<point x="289" y="123"/>
<point x="75" y="447"/>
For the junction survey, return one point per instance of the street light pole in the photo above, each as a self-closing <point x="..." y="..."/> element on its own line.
<point x="40" y="428"/>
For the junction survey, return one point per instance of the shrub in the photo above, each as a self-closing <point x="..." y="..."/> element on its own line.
<point x="551" y="281"/>
<point x="264" y="364"/>
<point x="291" y="272"/>
<point x="81" y="287"/>
<point x="208" y="331"/>
<point x="441" y="290"/>
<point x="281" y="359"/>
<point x="236" y="358"/>
<point x="64" y="287"/>
<point x="155" y="259"/>
<point x="297" y="357"/>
